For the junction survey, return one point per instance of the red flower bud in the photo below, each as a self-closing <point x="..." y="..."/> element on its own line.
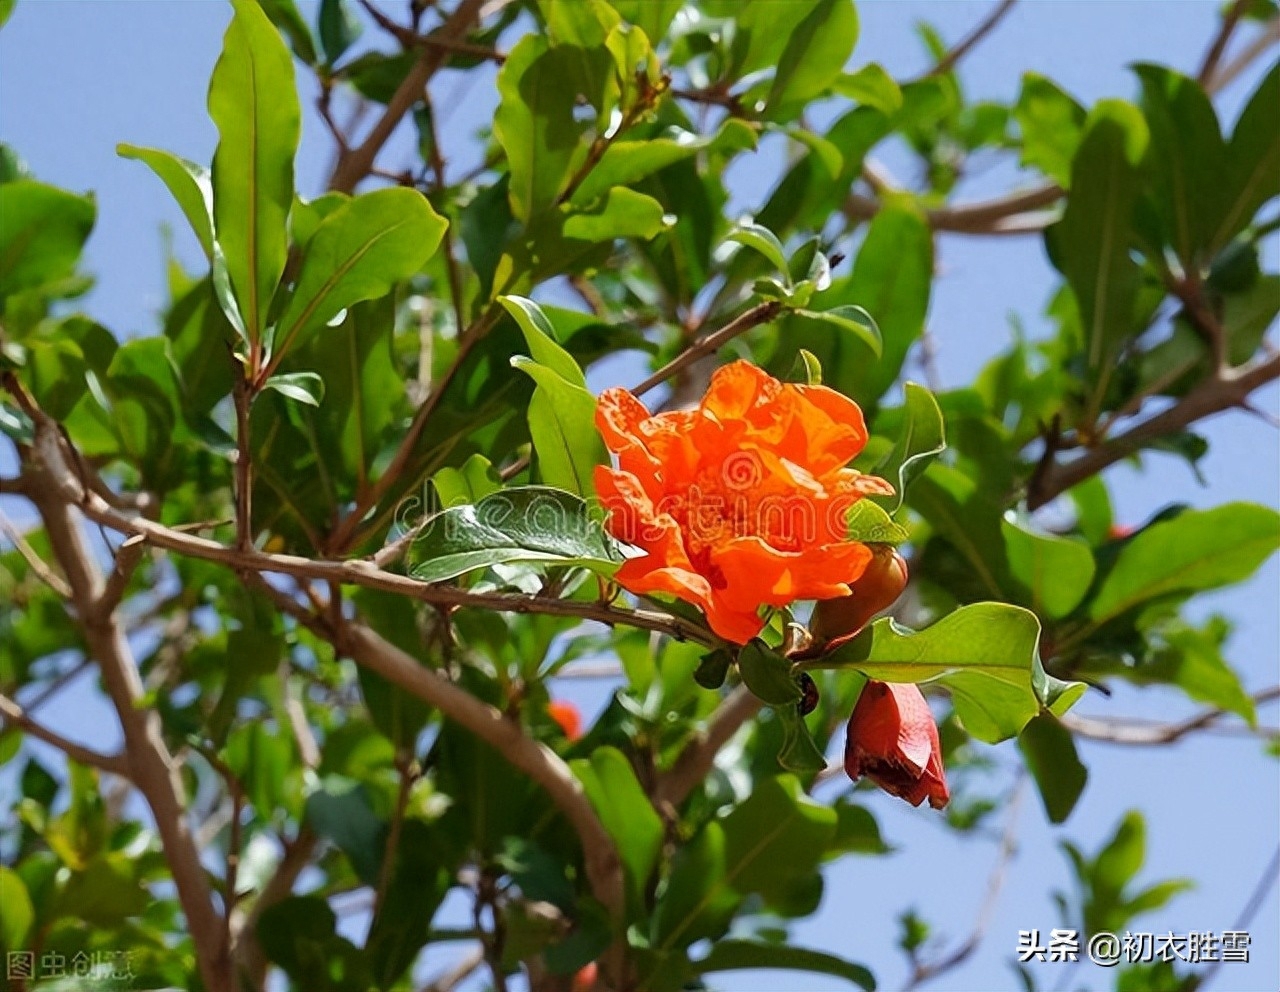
<point x="893" y="740"/>
<point x="875" y="590"/>
<point x="585" y="979"/>
<point x="566" y="714"/>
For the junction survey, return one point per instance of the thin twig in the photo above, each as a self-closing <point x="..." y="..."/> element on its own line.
<point x="436" y="159"/>
<point x="971" y="40"/>
<point x="39" y="567"/>
<point x="1228" y="74"/>
<point x="759" y="314"/>
<point x="1136" y="732"/>
<point x="1218" y="47"/>
<point x="14" y="715"/>
<point x="1261" y="889"/>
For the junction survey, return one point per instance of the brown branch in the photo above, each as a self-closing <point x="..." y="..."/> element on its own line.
<point x="450" y="254"/>
<point x="540" y="763"/>
<point x="759" y="314"/>
<point x="39" y="567"/>
<point x="1227" y="389"/>
<point x="355" y="164"/>
<point x="971" y="40"/>
<point x="1229" y="72"/>
<point x="152" y="768"/>
<point x="1136" y="732"/>
<point x="699" y="755"/>
<point x="1020" y="212"/>
<point x="243" y="401"/>
<point x="1218" y="47"/>
<point x="128" y="557"/>
<point x="15" y="716"/>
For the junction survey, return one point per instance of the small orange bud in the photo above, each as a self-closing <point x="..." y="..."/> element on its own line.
<point x="585" y="979"/>
<point x="893" y="740"/>
<point x="877" y="589"/>
<point x="566" y="714"/>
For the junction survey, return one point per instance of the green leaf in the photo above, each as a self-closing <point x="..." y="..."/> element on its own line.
<point x="299" y="935"/>
<point x="1055" y="571"/>
<point x="1052" y="123"/>
<point x="16" y="912"/>
<point x="798" y="753"/>
<point x="301" y="387"/>
<point x="469" y="483"/>
<point x="766" y="243"/>
<point x="42" y="230"/>
<point x="873" y="87"/>
<point x="6" y="10"/>
<point x="1194" y="551"/>
<point x="284" y="15"/>
<point x="1187" y="158"/>
<point x="625" y="163"/>
<point x="1093" y="237"/>
<point x="340" y="811"/>
<point x="339" y="28"/>
<point x="414" y="892"/>
<point x="105" y="894"/>
<point x="870" y="523"/>
<point x="626" y="813"/>
<point x="254" y="103"/>
<point x="540" y="335"/>
<point x="815" y="53"/>
<point x="767" y="674"/>
<point x="852" y="319"/>
<point x="1050" y="754"/>
<point x="856" y="831"/>
<point x="1191" y="658"/>
<point x="697" y="902"/>
<point x="621" y="213"/>
<point x="1253" y="160"/>
<point x="531" y="523"/>
<point x="535" y="124"/>
<point x="736" y="955"/>
<point x="188" y="182"/>
<point x="306" y="215"/>
<point x="562" y="423"/>
<point x="359" y="252"/>
<point x="986" y="654"/>
<point x="778" y="834"/>
<point x="921" y="439"/>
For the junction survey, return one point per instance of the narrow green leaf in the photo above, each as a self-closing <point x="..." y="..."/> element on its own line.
<point x="1052" y="123"/>
<point x="339" y="28"/>
<point x="766" y="243"/>
<point x="853" y="320"/>
<point x="798" y="753"/>
<point x="42" y="230"/>
<point x="921" y="440"/>
<point x="359" y="252"/>
<point x="284" y="15"/>
<point x="815" y="53"/>
<point x="626" y="812"/>
<point x="254" y="103"/>
<point x="540" y="335"/>
<point x="1050" y="754"/>
<point x="873" y="87"/>
<point x="302" y="387"/>
<point x="16" y="912"/>
<point x="1253" y="160"/>
<point x="621" y="213"/>
<point x="188" y="182"/>
<point x="562" y="424"/>
<point x="1196" y="550"/>
<point x="736" y="955"/>
<point x="530" y="523"/>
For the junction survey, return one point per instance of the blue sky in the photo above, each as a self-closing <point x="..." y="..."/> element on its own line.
<point x="78" y="77"/>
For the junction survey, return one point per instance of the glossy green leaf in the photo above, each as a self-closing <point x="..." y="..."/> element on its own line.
<point x="254" y="103"/>
<point x="42" y="230"/>
<point x="626" y="812"/>
<point x="532" y="523"/>
<point x="697" y="902"/>
<point x="870" y="523"/>
<point x="764" y="241"/>
<point x="1050" y="754"/>
<point x="620" y="213"/>
<point x="306" y="215"/>
<point x="871" y="86"/>
<point x="1051" y="122"/>
<point x="469" y="483"/>
<point x="562" y="424"/>
<point x="1253" y="160"/>
<point x="986" y="654"/>
<point x="852" y="320"/>
<point x="627" y="162"/>
<point x="921" y="439"/>
<point x="535" y="124"/>
<point x="301" y="387"/>
<point x="1054" y="571"/>
<point x="415" y="889"/>
<point x="799" y="753"/>
<point x="737" y="955"/>
<point x="1194" y="551"/>
<point x="540" y="335"/>
<point x="767" y="674"/>
<point x="189" y="184"/>
<point x="1094" y="235"/>
<point x="815" y="53"/>
<point x="359" y="252"/>
<point x="1187" y="158"/>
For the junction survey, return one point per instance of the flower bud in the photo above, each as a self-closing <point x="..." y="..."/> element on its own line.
<point x="876" y="590"/>
<point x="893" y="740"/>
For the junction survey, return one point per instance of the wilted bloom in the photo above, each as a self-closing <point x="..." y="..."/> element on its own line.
<point x="893" y="740"/>
<point x="567" y="716"/>
<point x="741" y="502"/>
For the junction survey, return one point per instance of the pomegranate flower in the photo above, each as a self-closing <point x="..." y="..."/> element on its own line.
<point x="741" y="502"/>
<point x="567" y="716"/>
<point x="893" y="740"/>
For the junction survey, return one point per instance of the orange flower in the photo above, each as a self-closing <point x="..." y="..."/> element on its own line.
<point x="741" y="502"/>
<point x="567" y="716"/>
<point x="893" y="740"/>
